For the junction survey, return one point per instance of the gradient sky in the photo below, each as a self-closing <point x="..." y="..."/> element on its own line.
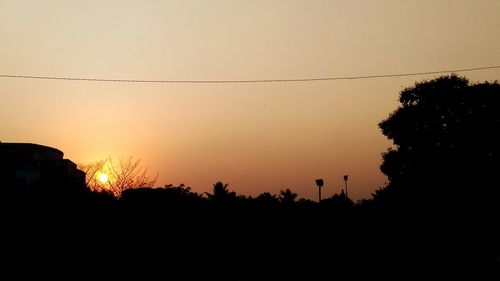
<point x="256" y="137"/>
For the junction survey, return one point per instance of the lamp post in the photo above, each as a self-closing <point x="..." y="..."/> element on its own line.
<point x="319" y="183"/>
<point x="345" y="180"/>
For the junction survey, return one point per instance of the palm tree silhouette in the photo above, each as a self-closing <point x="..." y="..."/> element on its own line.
<point x="221" y="192"/>
<point x="287" y="196"/>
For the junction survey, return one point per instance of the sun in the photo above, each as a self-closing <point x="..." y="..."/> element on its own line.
<point x="103" y="178"/>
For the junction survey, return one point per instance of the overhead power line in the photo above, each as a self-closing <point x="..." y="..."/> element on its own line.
<point x="247" y="81"/>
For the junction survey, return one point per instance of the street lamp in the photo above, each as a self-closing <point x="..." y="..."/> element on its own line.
<point x="319" y="183"/>
<point x="345" y="179"/>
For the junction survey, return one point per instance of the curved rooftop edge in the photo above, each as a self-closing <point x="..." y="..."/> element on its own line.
<point x="31" y="150"/>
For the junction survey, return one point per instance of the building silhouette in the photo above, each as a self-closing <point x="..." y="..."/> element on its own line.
<point x="28" y="164"/>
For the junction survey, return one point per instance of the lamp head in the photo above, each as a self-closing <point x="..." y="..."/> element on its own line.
<point x="319" y="182"/>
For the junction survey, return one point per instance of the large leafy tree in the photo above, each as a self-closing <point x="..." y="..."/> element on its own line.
<point x="446" y="136"/>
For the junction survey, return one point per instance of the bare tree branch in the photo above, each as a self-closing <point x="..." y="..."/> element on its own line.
<point x="122" y="175"/>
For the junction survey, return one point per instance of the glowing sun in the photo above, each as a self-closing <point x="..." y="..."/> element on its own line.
<point x="103" y="178"/>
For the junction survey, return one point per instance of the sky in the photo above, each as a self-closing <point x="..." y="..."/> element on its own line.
<point x="255" y="137"/>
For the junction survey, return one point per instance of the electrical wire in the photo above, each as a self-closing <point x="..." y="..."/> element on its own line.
<point x="247" y="81"/>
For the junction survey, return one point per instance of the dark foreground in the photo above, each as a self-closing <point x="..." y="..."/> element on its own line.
<point x="172" y="232"/>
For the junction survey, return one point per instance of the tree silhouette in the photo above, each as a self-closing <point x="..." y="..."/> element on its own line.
<point x="447" y="143"/>
<point x="129" y="174"/>
<point x="221" y="192"/>
<point x="92" y="171"/>
<point x="287" y="196"/>
<point x="338" y="201"/>
<point x="122" y="175"/>
<point x="181" y="190"/>
<point x="267" y="198"/>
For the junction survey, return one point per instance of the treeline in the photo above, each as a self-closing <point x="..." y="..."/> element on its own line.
<point x="219" y="234"/>
<point x="227" y="234"/>
<point x="231" y="237"/>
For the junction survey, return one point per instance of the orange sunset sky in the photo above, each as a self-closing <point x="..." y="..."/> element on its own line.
<point x="256" y="137"/>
